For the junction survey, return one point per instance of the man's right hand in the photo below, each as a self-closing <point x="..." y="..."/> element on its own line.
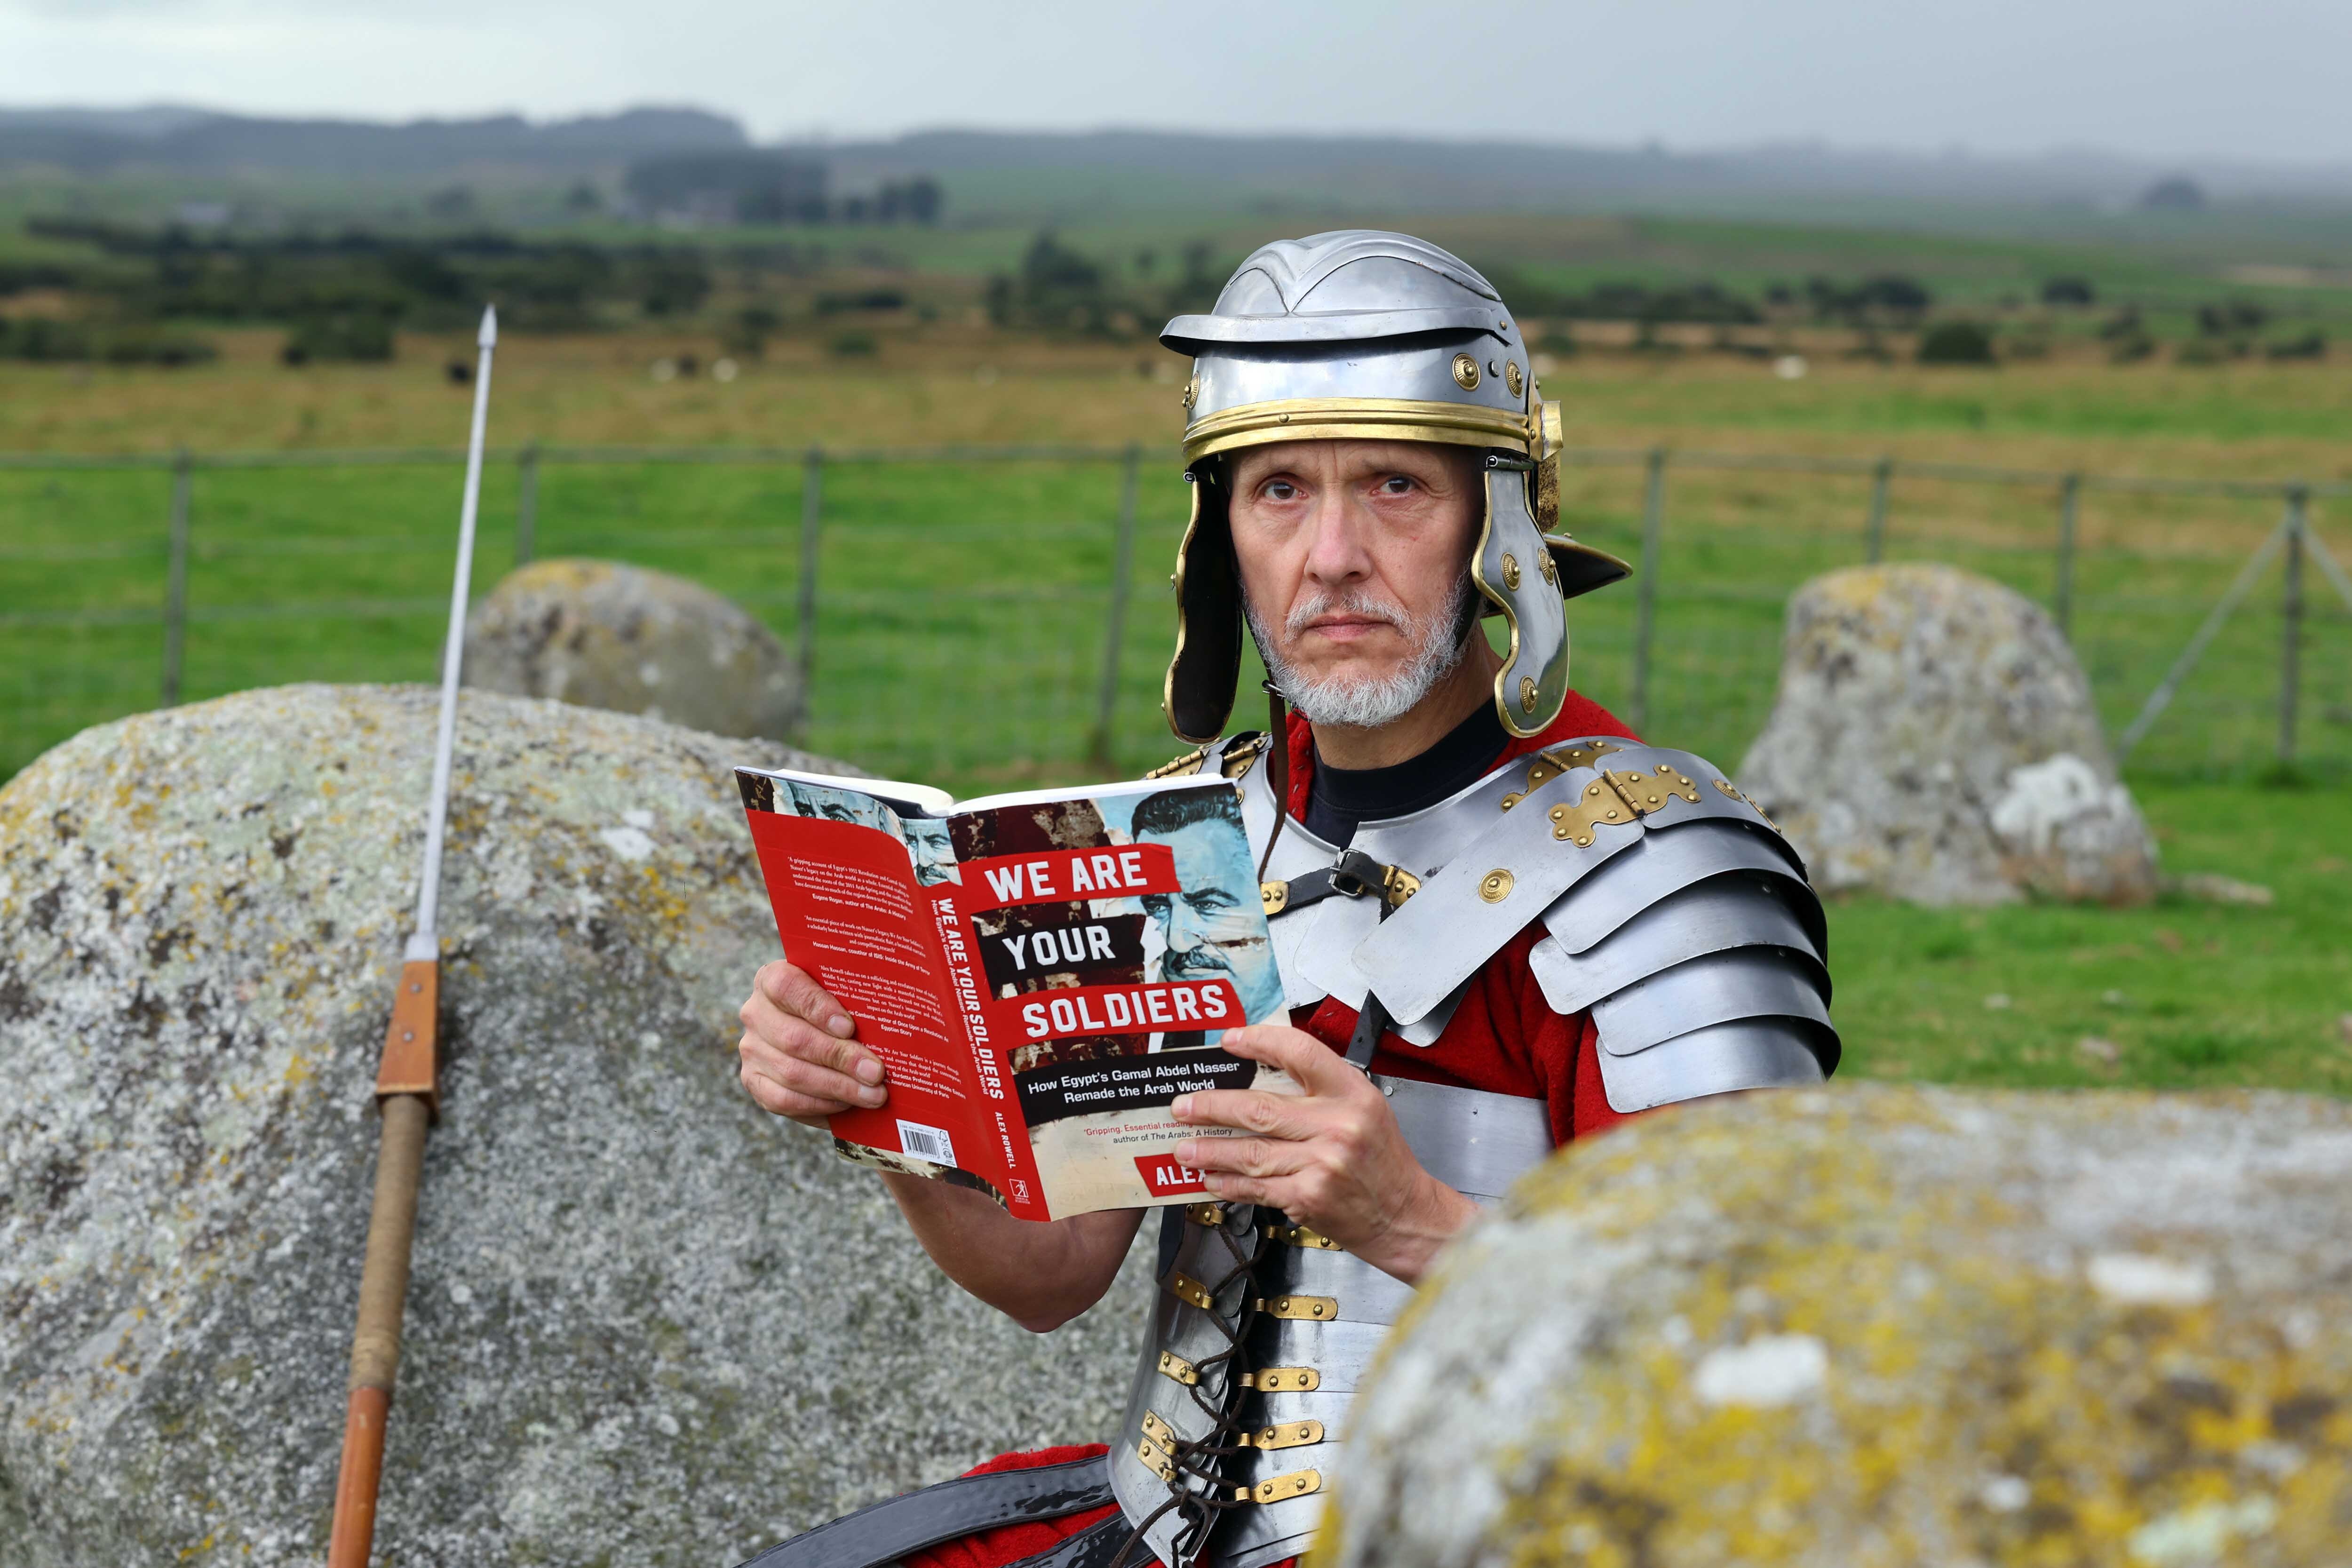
<point x="800" y="1052"/>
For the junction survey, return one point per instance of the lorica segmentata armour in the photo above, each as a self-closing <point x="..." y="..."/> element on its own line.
<point x="1673" y="911"/>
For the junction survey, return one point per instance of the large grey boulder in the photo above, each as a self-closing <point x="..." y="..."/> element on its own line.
<point x="1935" y="741"/>
<point x="1880" y="1326"/>
<point x="649" y="1325"/>
<point x="603" y="634"/>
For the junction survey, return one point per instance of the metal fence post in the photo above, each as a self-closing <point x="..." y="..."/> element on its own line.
<point x="2291" y="634"/>
<point x="2161" y="698"/>
<point x="2062" y="605"/>
<point x="1653" y="522"/>
<point x="1115" y="633"/>
<point x="526" y="504"/>
<point x="812" y="520"/>
<point x="175" y="580"/>
<point x="1874" y="532"/>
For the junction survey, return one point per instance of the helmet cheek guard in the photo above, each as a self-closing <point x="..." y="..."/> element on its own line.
<point x="1513" y="569"/>
<point x="1363" y="335"/>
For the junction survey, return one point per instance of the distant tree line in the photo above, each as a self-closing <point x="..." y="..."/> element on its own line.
<point x="1058" y="289"/>
<point x="1887" y="299"/>
<point x="344" y="294"/>
<point x="43" y="340"/>
<point x="753" y="187"/>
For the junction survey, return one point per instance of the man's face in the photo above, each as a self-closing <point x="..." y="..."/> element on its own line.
<point x="1207" y="932"/>
<point x="1353" y="557"/>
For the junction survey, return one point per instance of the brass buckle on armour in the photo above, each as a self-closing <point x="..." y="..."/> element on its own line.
<point x="1357" y="874"/>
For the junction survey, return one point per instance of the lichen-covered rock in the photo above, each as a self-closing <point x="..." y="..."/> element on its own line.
<point x="603" y="634"/>
<point x="1935" y="741"/>
<point x="649" y="1324"/>
<point x="1885" y="1328"/>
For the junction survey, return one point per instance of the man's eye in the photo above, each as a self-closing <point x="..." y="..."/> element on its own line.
<point x="1279" y="490"/>
<point x="1397" y="484"/>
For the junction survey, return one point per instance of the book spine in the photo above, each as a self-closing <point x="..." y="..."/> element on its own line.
<point x="1003" y="1132"/>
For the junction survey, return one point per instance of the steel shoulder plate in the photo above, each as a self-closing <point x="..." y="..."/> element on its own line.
<point x="1314" y="942"/>
<point x="1702" y="956"/>
<point x="1665" y="863"/>
<point x="1733" y="909"/>
<point x="1753" y="1053"/>
<point x="1552" y="838"/>
<point x="1721" y="988"/>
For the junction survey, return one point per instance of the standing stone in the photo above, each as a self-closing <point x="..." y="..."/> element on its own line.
<point x="649" y="1323"/>
<point x="603" y="634"/>
<point x="1935" y="741"/>
<point x="1885" y="1328"/>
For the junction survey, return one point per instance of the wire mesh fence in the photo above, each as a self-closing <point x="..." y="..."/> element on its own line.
<point x="992" y="617"/>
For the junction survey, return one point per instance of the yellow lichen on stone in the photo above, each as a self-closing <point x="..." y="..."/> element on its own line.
<point x="1883" y="1328"/>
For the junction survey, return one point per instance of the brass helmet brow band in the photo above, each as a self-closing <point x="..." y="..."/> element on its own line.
<point x="1360" y="419"/>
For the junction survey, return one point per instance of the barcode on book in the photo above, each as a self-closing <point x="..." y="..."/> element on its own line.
<point x="926" y="1142"/>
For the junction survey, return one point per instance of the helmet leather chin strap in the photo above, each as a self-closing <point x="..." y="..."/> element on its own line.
<point x="1278" y="764"/>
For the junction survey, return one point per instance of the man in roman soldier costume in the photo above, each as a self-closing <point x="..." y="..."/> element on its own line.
<point x="1503" y="922"/>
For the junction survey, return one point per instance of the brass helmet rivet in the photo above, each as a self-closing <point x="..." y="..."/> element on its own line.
<point x="1496" y="886"/>
<point x="1551" y="570"/>
<point x="1512" y="379"/>
<point x="1510" y="570"/>
<point x="1465" y="371"/>
<point x="1527" y="694"/>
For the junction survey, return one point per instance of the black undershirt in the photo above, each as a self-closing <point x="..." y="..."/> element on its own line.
<point x="1339" y="798"/>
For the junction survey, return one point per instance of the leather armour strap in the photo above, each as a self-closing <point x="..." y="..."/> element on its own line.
<point x="1354" y="876"/>
<point x="885" y="1532"/>
<point x="1372" y="1019"/>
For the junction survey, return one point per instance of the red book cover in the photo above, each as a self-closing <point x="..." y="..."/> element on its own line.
<point x="1039" y="975"/>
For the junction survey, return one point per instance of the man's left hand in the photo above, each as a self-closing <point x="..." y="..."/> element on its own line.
<point x="1332" y="1158"/>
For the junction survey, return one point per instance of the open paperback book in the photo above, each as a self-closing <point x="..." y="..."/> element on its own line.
<point x="1039" y="974"/>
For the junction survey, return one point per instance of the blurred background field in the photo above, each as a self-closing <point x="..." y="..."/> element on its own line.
<point x="997" y="567"/>
<point x="978" y="371"/>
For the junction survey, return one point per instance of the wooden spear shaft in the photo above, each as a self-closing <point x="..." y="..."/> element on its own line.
<point x="408" y="1081"/>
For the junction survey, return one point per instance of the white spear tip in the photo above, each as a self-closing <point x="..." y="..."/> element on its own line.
<point x="488" y="338"/>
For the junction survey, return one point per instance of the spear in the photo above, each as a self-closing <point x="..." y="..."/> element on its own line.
<point x="407" y="1079"/>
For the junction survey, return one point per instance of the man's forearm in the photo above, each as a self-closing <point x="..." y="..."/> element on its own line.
<point x="1040" y="1276"/>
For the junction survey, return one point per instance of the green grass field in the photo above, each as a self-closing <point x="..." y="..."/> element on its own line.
<point x="960" y="635"/>
<point x="964" y="606"/>
<point x="2174" y="996"/>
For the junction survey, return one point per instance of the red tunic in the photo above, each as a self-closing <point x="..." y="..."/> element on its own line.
<point x="1503" y="1038"/>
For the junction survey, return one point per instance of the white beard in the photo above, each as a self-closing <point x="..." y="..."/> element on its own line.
<point x="1362" y="702"/>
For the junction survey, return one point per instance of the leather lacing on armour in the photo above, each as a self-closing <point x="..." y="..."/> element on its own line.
<point x="1200" y="1459"/>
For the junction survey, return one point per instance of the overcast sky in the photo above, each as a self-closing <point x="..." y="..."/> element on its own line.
<point x="2252" y="79"/>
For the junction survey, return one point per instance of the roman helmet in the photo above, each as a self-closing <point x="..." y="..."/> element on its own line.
<point x="1374" y="336"/>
